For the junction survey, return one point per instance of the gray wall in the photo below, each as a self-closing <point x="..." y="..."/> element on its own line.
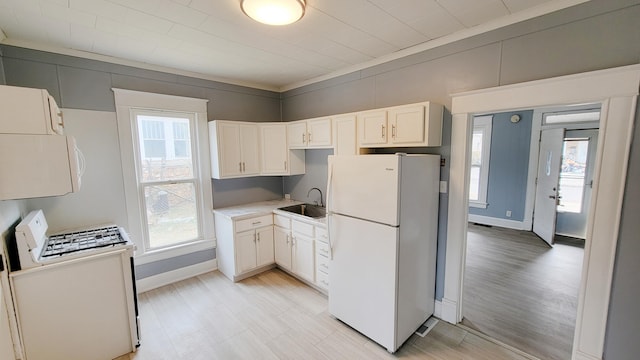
<point x="315" y="176"/>
<point x="85" y="84"/>
<point x="508" y="167"/>
<point x="596" y="35"/>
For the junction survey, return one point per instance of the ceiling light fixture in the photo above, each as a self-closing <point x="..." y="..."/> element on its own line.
<point x="274" y="12"/>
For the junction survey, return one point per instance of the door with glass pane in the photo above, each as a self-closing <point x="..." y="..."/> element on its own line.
<point x="167" y="178"/>
<point x="576" y="180"/>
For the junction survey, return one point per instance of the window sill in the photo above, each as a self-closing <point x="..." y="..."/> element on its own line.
<point x="478" y="204"/>
<point x="174" y="251"/>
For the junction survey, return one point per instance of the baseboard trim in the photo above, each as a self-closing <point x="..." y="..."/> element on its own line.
<point x="487" y="220"/>
<point x="437" y="310"/>
<point x="166" y="278"/>
<point x="449" y="311"/>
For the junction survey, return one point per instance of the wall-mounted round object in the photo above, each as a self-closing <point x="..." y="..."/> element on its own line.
<point x="515" y="118"/>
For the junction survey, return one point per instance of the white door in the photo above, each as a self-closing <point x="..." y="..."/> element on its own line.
<point x="246" y="253"/>
<point x="372" y="127"/>
<point x="250" y="150"/>
<point x="344" y="138"/>
<point x="230" y="153"/>
<point x="407" y="124"/>
<point x="282" y="247"/>
<point x="273" y="142"/>
<point x="264" y="241"/>
<point x="576" y="180"/>
<point x="303" y="257"/>
<point x="362" y="280"/>
<point x="319" y="132"/>
<point x="297" y="135"/>
<point x="544" y="216"/>
<point x="365" y="187"/>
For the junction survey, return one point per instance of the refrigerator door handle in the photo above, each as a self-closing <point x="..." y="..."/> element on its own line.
<point x="329" y="211"/>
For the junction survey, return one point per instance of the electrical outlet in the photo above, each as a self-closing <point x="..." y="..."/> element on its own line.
<point x="287" y="196"/>
<point x="443" y="187"/>
<point x="508" y="213"/>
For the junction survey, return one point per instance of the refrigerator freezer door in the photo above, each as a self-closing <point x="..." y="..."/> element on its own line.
<point x="365" y="187"/>
<point x="362" y="280"/>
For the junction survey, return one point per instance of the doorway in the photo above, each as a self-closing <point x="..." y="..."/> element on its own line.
<point x="616" y="89"/>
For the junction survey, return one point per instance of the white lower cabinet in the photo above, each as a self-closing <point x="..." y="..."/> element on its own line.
<point x="254" y="248"/>
<point x="282" y="242"/>
<point x="244" y="246"/>
<point x="302" y="256"/>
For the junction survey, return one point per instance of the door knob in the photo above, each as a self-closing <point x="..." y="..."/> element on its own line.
<point x="552" y="197"/>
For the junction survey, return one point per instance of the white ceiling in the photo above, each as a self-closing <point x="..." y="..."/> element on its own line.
<point x="213" y="39"/>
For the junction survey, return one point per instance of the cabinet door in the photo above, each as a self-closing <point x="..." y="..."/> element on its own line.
<point x="303" y="258"/>
<point x="407" y="124"/>
<point x="282" y="242"/>
<point x="264" y="241"/>
<point x="319" y="132"/>
<point x="273" y="142"/>
<point x="372" y="128"/>
<point x="246" y="251"/>
<point x="229" y="155"/>
<point x="250" y="149"/>
<point x="344" y="129"/>
<point x="297" y="134"/>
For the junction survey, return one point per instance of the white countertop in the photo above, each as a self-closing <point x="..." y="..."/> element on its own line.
<point x="250" y="210"/>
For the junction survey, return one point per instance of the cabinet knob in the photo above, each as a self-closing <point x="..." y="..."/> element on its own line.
<point x="383" y="131"/>
<point x="393" y="131"/>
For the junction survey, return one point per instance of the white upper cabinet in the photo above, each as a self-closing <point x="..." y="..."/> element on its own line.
<point x="404" y="126"/>
<point x="319" y="133"/>
<point x="29" y="111"/>
<point x="274" y="150"/>
<point x="275" y="156"/>
<point x="344" y="135"/>
<point x="234" y="149"/>
<point x="372" y="127"/>
<point x="310" y="134"/>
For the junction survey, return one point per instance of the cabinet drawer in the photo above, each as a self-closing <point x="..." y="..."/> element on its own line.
<point x="254" y="223"/>
<point x="322" y="280"/>
<point x="322" y="263"/>
<point x="321" y="234"/>
<point x="322" y="249"/>
<point x="282" y="221"/>
<point x="302" y="228"/>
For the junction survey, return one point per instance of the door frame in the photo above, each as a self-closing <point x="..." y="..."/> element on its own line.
<point x="616" y="90"/>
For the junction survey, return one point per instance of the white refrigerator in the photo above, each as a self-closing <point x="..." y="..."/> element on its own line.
<point x="383" y="218"/>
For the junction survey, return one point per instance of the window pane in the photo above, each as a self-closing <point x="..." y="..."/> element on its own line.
<point x="474" y="183"/>
<point x="172" y="215"/>
<point x="476" y="148"/>
<point x="572" y="175"/>
<point x="165" y="148"/>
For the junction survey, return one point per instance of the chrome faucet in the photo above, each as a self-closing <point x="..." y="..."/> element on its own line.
<point x="320" y="191"/>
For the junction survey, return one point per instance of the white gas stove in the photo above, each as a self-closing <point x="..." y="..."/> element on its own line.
<point x="36" y="249"/>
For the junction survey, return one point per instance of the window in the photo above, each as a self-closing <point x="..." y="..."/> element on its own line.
<point x="572" y="175"/>
<point x="167" y="178"/>
<point x="166" y="168"/>
<point x="480" y="150"/>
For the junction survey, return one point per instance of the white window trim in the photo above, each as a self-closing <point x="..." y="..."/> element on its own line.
<point x="483" y="123"/>
<point x="129" y="100"/>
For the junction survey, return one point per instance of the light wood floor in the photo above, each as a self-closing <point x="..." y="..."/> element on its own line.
<point x="520" y="291"/>
<point x="274" y="316"/>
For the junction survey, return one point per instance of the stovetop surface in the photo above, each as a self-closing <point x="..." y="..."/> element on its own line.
<point x="62" y="244"/>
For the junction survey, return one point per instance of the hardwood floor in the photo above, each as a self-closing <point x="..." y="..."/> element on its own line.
<point x="520" y="291"/>
<point x="274" y="316"/>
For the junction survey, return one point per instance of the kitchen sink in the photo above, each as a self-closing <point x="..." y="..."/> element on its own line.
<point x="310" y="210"/>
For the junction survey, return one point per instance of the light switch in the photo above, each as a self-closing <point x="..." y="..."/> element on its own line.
<point x="443" y="187"/>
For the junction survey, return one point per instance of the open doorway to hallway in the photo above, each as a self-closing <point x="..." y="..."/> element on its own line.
<point x="519" y="289"/>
